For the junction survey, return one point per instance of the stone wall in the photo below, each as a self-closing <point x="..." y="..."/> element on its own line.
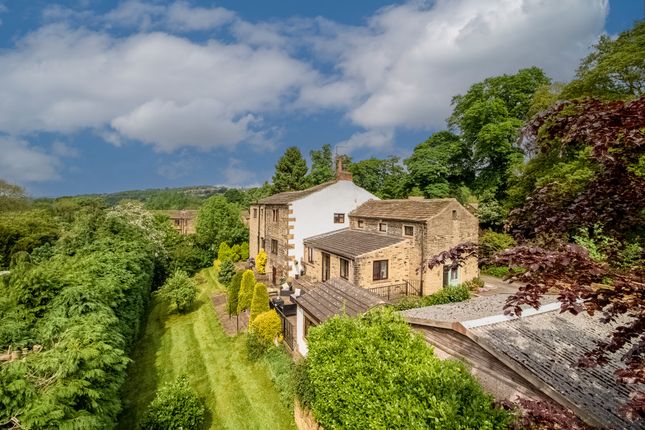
<point x="402" y="262"/>
<point x="304" y="418"/>
<point x="263" y="229"/>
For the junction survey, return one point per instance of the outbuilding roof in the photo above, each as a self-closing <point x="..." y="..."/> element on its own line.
<point x="337" y="297"/>
<point x="402" y="209"/>
<point x="543" y="346"/>
<point x="351" y="243"/>
<point x="291" y="196"/>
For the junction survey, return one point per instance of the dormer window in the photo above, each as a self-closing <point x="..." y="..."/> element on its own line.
<point x="382" y="227"/>
<point x="408" y="230"/>
<point x="361" y="223"/>
<point x="339" y="218"/>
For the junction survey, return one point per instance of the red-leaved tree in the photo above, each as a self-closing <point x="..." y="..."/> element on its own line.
<point x="615" y="200"/>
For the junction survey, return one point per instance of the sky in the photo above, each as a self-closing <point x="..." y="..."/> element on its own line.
<point x="99" y="96"/>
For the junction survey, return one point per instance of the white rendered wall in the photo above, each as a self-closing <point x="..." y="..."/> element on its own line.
<point x="314" y="214"/>
<point x="300" y="332"/>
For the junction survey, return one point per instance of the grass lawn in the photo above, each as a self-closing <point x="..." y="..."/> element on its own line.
<point x="238" y="393"/>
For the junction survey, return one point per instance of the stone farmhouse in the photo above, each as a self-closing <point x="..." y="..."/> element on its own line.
<point x="387" y="242"/>
<point x="279" y="223"/>
<point x="183" y="221"/>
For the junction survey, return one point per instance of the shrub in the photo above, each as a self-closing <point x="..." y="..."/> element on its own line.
<point x="180" y="290"/>
<point x="176" y="406"/>
<point x="246" y="291"/>
<point x="444" y="296"/>
<point x="236" y="253"/>
<point x="491" y="242"/>
<point x="261" y="262"/>
<point x="260" y="301"/>
<point x="224" y="252"/>
<point x="267" y="326"/>
<point x="255" y="347"/>
<point x="233" y="293"/>
<point x="501" y="271"/>
<point x="226" y="272"/>
<point x="244" y="251"/>
<point x="474" y="284"/>
<point x="374" y="369"/>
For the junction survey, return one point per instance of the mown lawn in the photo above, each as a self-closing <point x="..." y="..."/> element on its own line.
<point x="238" y="393"/>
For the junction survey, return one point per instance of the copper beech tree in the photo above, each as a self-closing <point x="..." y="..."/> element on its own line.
<point x="612" y="200"/>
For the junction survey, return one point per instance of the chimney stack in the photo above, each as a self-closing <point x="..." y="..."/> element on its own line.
<point x="341" y="175"/>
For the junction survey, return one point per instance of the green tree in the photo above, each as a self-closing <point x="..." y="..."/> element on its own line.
<point x="12" y="197"/>
<point x="180" y="290"/>
<point x="260" y="301"/>
<point x="322" y="166"/>
<point x="290" y="171"/>
<point x="246" y="291"/>
<point x="437" y="167"/>
<point x="226" y="272"/>
<point x="614" y="70"/>
<point x="233" y="293"/>
<point x="385" y="178"/>
<point x="175" y="407"/>
<point x="219" y="221"/>
<point x="236" y="252"/>
<point x="244" y="251"/>
<point x="489" y="117"/>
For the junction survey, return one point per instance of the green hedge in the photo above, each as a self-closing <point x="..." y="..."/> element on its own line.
<point x="77" y="314"/>
<point x="374" y="372"/>
<point x="442" y="297"/>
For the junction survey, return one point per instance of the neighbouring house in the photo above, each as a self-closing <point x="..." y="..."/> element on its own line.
<point x="326" y="299"/>
<point x="279" y="223"/>
<point x="183" y="221"/>
<point x="387" y="243"/>
<point x="534" y="356"/>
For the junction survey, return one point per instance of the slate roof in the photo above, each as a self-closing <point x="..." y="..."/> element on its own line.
<point x="543" y="347"/>
<point x="291" y="196"/>
<point x="407" y="209"/>
<point x="337" y="297"/>
<point x="351" y="243"/>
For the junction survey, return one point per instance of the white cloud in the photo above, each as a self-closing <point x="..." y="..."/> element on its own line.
<point x="62" y="149"/>
<point x="155" y="87"/>
<point x="22" y="163"/>
<point x="381" y="140"/>
<point x="410" y="59"/>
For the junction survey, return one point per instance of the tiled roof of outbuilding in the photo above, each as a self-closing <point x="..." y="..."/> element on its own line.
<point x="337" y="297"/>
<point x="351" y="243"/>
<point x="408" y="209"/>
<point x="291" y="196"/>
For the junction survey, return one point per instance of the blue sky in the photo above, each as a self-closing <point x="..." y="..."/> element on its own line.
<point x="99" y="96"/>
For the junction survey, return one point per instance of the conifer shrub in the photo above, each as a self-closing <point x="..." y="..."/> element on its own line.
<point x="175" y="407"/>
<point x="236" y="253"/>
<point x="374" y="370"/>
<point x="244" y="251"/>
<point x="261" y="262"/>
<point x="226" y="272"/>
<point x="233" y="293"/>
<point x="266" y="326"/>
<point x="260" y="300"/>
<point x="224" y="252"/>
<point x="246" y="291"/>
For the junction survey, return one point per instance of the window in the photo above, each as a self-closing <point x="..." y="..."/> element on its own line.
<point x="310" y="254"/>
<point x="344" y="268"/>
<point x="177" y="221"/>
<point x="382" y="227"/>
<point x="308" y="325"/>
<point x="275" y="214"/>
<point x="454" y="214"/>
<point x="361" y="223"/>
<point x="339" y="218"/>
<point x="379" y="270"/>
<point x="408" y="230"/>
<point x="274" y="246"/>
<point x="255" y="212"/>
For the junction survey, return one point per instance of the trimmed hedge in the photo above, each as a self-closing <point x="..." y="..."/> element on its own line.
<point x="375" y="372"/>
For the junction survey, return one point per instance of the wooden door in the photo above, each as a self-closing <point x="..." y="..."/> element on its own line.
<point x="274" y="275"/>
